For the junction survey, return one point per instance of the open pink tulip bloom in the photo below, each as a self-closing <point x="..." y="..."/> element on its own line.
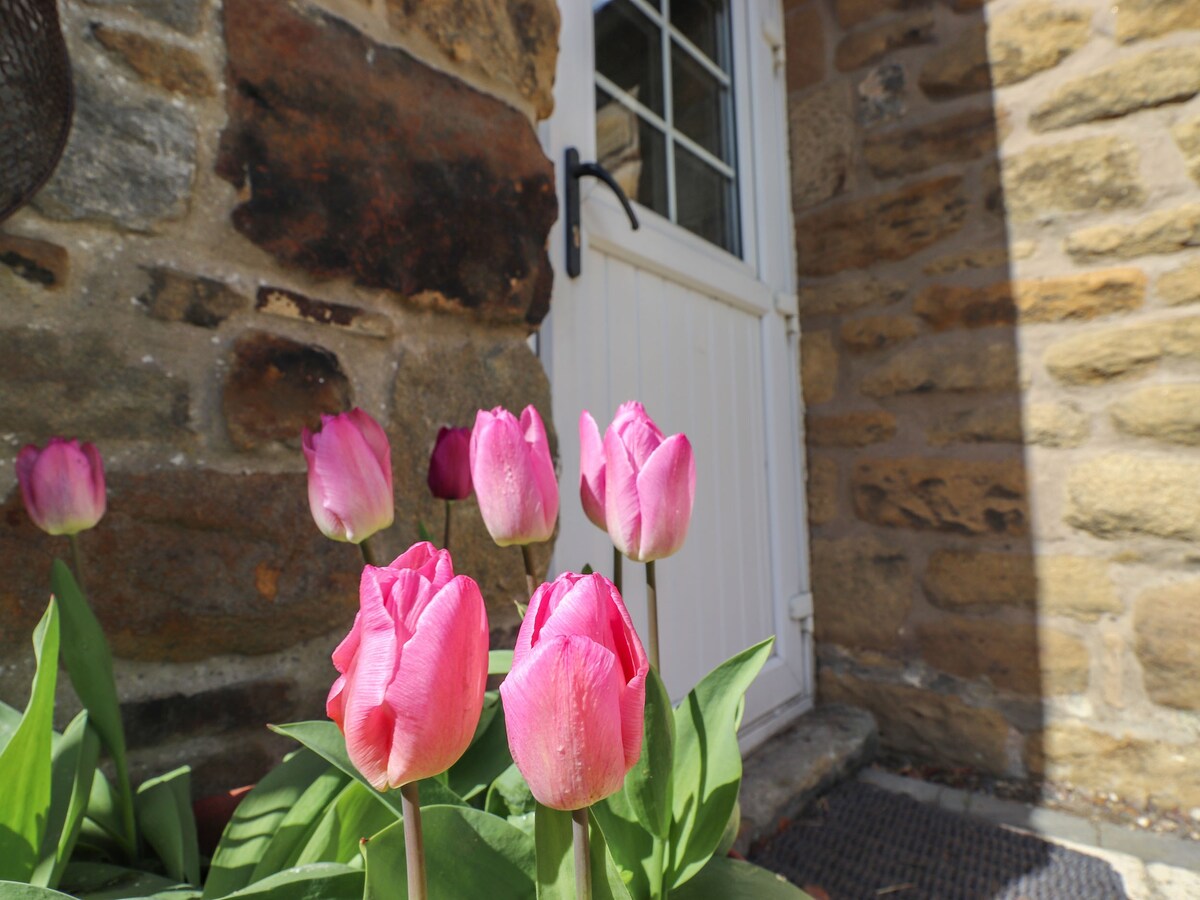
<point x="649" y="485"/>
<point x="413" y="669"/>
<point x="450" y="464"/>
<point x="349" y="476"/>
<point x="574" y="700"/>
<point x="514" y="476"/>
<point x="62" y="486"/>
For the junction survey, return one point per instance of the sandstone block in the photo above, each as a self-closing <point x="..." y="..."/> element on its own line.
<point x="1079" y="297"/>
<point x="168" y="66"/>
<point x="1031" y="38"/>
<point x="1076" y="586"/>
<point x="854" y="12"/>
<point x="1055" y="425"/>
<point x="1021" y="658"/>
<point x="1166" y="621"/>
<point x="1121" y="495"/>
<point x="852" y="429"/>
<point x="862" y="593"/>
<point x="973" y="580"/>
<point x="867" y="45"/>
<point x="1138" y="19"/>
<point x="958" y="68"/>
<point x="924" y="723"/>
<point x="950" y="495"/>
<point x="958" y="138"/>
<point x="1181" y="285"/>
<point x="1119" y="353"/>
<point x="881" y="95"/>
<point x="890" y="226"/>
<point x="823" y="140"/>
<point x="1164" y="75"/>
<point x="1167" y="412"/>
<point x="998" y="423"/>
<point x="293" y="305"/>
<point x="818" y="367"/>
<point x="1187" y="136"/>
<point x="1098" y="173"/>
<point x="946" y="306"/>
<point x="873" y="333"/>
<point x="1165" y="231"/>
<point x="848" y="295"/>
<point x="974" y="258"/>
<point x="175" y="297"/>
<point x="184" y="16"/>
<point x="37" y="262"/>
<point x="804" y="37"/>
<point x="946" y="365"/>
<point x="822" y="489"/>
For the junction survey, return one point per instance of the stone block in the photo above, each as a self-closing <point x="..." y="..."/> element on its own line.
<point x="891" y="226"/>
<point x="823" y="139"/>
<point x="168" y="66"/>
<point x="1027" y="39"/>
<point x="287" y="304"/>
<point x="161" y="719"/>
<point x="854" y="12"/>
<point x="277" y="387"/>
<point x="955" y="496"/>
<point x="947" y="364"/>
<point x="973" y="580"/>
<point x="1122" y="495"/>
<point x="1180" y="286"/>
<point x="184" y="16"/>
<point x="804" y="37"/>
<point x="881" y="95"/>
<point x="35" y="261"/>
<point x="873" y="333"/>
<point x="513" y="42"/>
<point x="1098" y="173"/>
<point x="958" y="68"/>
<point x="818" y="367"/>
<point x="1055" y="425"/>
<point x="350" y="181"/>
<point x="867" y="45"/>
<point x="862" y="593"/>
<point x="972" y="258"/>
<point x="924" y="723"/>
<point x="1165" y="231"/>
<point x="1166" y="621"/>
<point x="1102" y="356"/>
<point x="851" y="429"/>
<point x="174" y="296"/>
<point x="846" y="295"/>
<point x="1167" y="412"/>
<point x="1187" y="136"/>
<point x="1021" y="658"/>
<point x="822" y="489"/>
<point x="946" y="306"/>
<point x="997" y="423"/>
<point x="1163" y="75"/>
<point x="1137" y="19"/>
<point x="957" y="138"/>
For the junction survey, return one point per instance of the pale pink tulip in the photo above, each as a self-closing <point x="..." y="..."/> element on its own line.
<point x="450" y="464"/>
<point x="649" y="486"/>
<point x="574" y="700"/>
<point x="591" y="470"/>
<point x="514" y="476"/>
<point x="413" y="669"/>
<point x="62" y="486"/>
<point x="349" y="476"/>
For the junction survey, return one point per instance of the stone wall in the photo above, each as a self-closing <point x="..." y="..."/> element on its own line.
<point x="267" y="210"/>
<point x="998" y="229"/>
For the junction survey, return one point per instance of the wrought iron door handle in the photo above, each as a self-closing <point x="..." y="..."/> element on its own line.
<point x="573" y="171"/>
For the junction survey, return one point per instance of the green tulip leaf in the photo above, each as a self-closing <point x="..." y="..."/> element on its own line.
<point x="257" y="820"/>
<point x="353" y="817"/>
<point x="468" y="853"/>
<point x="730" y="879"/>
<point x="708" y="762"/>
<point x="73" y="768"/>
<point x="9" y="720"/>
<point x="12" y="890"/>
<point x="487" y="757"/>
<point x="298" y="824"/>
<point x="102" y="827"/>
<point x="635" y="851"/>
<point x="555" y="856"/>
<point x="89" y="665"/>
<point x="164" y="812"/>
<point x="509" y="795"/>
<point x="316" y="881"/>
<point x="103" y="881"/>
<point x="648" y="786"/>
<point x="25" y="762"/>
<point x="499" y="662"/>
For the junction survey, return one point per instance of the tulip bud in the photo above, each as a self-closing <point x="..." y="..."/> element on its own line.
<point x="62" y="486"/>
<point x="574" y="700"/>
<point x="591" y="470"/>
<point x="349" y="476"/>
<point x="413" y="669"/>
<point x="650" y="485"/>
<point x="514" y="476"/>
<point x="450" y="464"/>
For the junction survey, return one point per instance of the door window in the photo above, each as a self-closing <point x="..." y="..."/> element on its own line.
<point x="664" y="110"/>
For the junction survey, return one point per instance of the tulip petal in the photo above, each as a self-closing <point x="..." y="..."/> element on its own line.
<point x="591" y="470"/>
<point x="505" y="482"/>
<point x="641" y="436"/>
<point x="622" y="512"/>
<point x="562" y="708"/>
<point x="542" y="465"/>
<point x="355" y="486"/>
<point x="376" y="439"/>
<point x="666" y="489"/>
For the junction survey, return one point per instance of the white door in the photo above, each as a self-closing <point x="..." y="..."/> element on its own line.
<point x="683" y="101"/>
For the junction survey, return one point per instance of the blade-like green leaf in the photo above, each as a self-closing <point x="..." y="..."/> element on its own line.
<point x="607" y="883"/>
<point x="74" y="768"/>
<point x="300" y="822"/>
<point x="257" y="820"/>
<point x="708" y="763"/>
<point x="25" y="762"/>
<point x="164" y="811"/>
<point x="648" y="784"/>
<point x="317" y="881"/>
<point x="468" y="853"/>
<point x="88" y="661"/>
<point x="635" y="851"/>
<point x="101" y="881"/>
<point x="9" y="720"/>
<point x="553" y="853"/>
<point x="509" y="795"/>
<point x="12" y="890"/>
<point x="499" y="662"/>
<point x="352" y="818"/>
<point x="487" y="757"/>
<point x="730" y="879"/>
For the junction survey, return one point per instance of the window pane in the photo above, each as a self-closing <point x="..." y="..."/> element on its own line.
<point x="633" y="150"/>
<point x="629" y="52"/>
<point x="703" y="22"/>
<point x="705" y="201"/>
<point x="701" y="104"/>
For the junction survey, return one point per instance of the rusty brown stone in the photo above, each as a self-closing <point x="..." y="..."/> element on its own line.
<point x="277" y="387"/>
<point x="818" y="367"/>
<point x="175" y="297"/>
<point x="946" y="306"/>
<point x="957" y="138"/>
<point x="822" y="489"/>
<point x="168" y="66"/>
<point x="959" y="362"/>
<point x="868" y="45"/>
<point x="38" y="262"/>
<point x="862" y="593"/>
<point x="357" y="161"/>
<point x="851" y="429"/>
<point x="804" y="36"/>
<point x="287" y="304"/>
<point x="873" y="333"/>
<point x="854" y="12"/>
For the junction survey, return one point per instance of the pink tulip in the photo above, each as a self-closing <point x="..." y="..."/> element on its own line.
<point x="413" y="669"/>
<point x="513" y="476"/>
<point x="450" y="464"/>
<point x="591" y="470"/>
<point x="574" y="700"/>
<point x="349" y="476"/>
<point x="62" y="486"/>
<point x="650" y="485"/>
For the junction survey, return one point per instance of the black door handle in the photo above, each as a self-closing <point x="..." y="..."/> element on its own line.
<point x="573" y="171"/>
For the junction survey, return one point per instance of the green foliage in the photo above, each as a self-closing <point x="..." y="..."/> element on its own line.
<point x="555" y="851"/>
<point x="73" y="769"/>
<point x="104" y="881"/>
<point x="12" y="890"/>
<point x="730" y="879"/>
<point x="487" y="757"/>
<point x="316" y="881"/>
<point x="164" y="812"/>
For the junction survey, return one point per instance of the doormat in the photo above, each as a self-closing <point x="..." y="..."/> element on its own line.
<point x="860" y="842"/>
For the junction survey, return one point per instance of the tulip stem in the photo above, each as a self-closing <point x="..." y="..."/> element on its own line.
<point x="618" y="557"/>
<point x="531" y="579"/>
<point x="652" y="610"/>
<point x="414" y="845"/>
<point x="446" y="530"/>
<point x="583" y="868"/>
<point x="77" y="562"/>
<point x="368" y="552"/>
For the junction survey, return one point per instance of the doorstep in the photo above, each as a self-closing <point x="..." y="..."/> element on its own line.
<point x="780" y="778"/>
